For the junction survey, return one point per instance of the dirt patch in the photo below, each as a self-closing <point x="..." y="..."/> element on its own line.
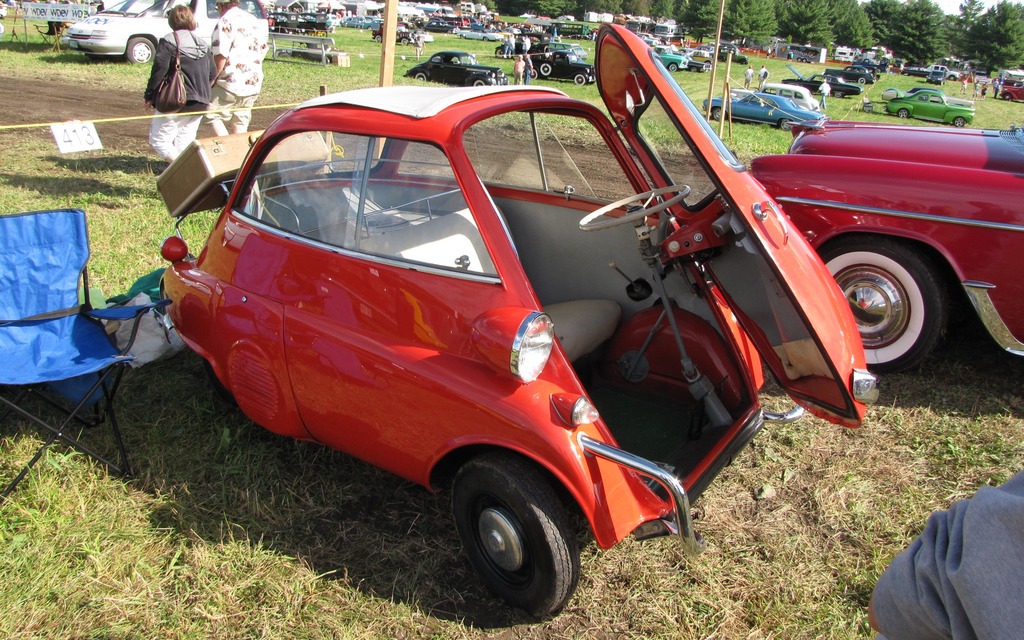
<point x="54" y="102"/>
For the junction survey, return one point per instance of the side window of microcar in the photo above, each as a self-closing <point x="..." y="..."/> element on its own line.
<point x="545" y="152"/>
<point x="392" y="199"/>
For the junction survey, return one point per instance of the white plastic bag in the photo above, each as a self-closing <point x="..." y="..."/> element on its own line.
<point x="155" y="339"/>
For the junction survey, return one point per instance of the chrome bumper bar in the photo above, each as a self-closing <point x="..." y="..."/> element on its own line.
<point x="683" y="525"/>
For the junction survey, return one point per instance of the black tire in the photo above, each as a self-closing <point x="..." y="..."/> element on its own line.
<point x="959" y="121"/>
<point x="218" y="387"/>
<point x="422" y="76"/>
<point x="479" y="82"/>
<point x="897" y="297"/>
<point x="716" y="113"/>
<point x="516" y="533"/>
<point x="545" y="69"/>
<point x="580" y="79"/>
<point x="839" y="94"/>
<point x="786" y="125"/>
<point x="405" y="41"/>
<point x="139" y="50"/>
<point x="903" y="113"/>
<point x="861" y="81"/>
<point x="378" y="39"/>
<point x="673" y="67"/>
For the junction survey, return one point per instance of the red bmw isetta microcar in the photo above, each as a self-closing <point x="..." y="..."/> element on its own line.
<point x="503" y="291"/>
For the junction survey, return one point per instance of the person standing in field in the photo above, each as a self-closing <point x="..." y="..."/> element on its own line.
<point x="170" y="133"/>
<point x="239" y="46"/>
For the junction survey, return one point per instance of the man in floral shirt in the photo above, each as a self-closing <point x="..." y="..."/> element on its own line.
<point x="239" y="46"/>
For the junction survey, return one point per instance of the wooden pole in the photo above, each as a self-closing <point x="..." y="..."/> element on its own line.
<point x="389" y="32"/>
<point x="714" y="58"/>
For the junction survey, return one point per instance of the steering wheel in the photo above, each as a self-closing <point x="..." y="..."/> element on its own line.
<point x="588" y="224"/>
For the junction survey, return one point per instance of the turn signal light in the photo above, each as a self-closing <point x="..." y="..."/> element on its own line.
<point x="174" y="249"/>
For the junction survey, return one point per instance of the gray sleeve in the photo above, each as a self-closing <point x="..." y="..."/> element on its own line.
<point x="963" y="577"/>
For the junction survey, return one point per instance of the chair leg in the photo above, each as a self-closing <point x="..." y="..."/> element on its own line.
<point x="24" y="472"/>
<point x="122" y="467"/>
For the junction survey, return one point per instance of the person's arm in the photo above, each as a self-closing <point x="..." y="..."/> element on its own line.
<point x="161" y="64"/>
<point x="963" y="576"/>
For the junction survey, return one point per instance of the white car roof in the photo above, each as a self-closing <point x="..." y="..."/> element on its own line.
<point x="415" y="101"/>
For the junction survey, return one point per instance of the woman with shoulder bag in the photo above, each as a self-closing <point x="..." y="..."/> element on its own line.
<point x="172" y="131"/>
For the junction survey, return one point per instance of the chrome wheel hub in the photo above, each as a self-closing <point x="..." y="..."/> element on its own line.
<point x="501" y="539"/>
<point x="878" y="304"/>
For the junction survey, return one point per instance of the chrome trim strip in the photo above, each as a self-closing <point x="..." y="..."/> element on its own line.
<point x="896" y="213"/>
<point x="403" y="264"/>
<point x="795" y="413"/>
<point x="691" y="541"/>
<point x="977" y="293"/>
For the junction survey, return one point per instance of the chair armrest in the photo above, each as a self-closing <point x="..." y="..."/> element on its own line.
<point x="126" y="313"/>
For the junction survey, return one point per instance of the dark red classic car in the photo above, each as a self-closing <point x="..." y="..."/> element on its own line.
<point x="506" y="292"/>
<point x="911" y="221"/>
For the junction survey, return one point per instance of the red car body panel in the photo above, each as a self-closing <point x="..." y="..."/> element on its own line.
<point x="956" y="191"/>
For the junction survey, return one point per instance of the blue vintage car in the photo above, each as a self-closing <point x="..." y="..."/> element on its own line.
<point x="764" y="108"/>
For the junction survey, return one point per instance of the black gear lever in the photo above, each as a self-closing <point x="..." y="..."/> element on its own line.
<point x="638" y="289"/>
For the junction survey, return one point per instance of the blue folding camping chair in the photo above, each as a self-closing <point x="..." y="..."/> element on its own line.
<point x="61" y="370"/>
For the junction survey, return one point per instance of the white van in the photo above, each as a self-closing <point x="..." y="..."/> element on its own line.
<point x="133" y="27"/>
<point x="846" y="54"/>
<point x="801" y="96"/>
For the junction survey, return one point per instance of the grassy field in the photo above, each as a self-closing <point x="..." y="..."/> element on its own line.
<point x="228" y="531"/>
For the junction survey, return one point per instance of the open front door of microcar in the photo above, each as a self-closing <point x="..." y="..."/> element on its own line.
<point x="734" y="237"/>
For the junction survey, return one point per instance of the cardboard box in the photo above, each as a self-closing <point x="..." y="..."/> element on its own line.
<point x="192" y="182"/>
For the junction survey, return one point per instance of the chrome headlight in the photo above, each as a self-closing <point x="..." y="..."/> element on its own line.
<point x="532" y="346"/>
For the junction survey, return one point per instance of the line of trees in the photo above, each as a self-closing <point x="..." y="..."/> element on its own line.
<point x="915" y="30"/>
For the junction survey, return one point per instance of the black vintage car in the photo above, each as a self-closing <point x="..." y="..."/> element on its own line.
<point x="839" y="88"/>
<point x="564" y="65"/>
<point x="439" y="25"/>
<point x="458" y="68"/>
<point x="853" y="74"/>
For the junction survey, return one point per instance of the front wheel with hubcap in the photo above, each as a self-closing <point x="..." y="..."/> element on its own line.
<point x="903" y="113"/>
<point x="959" y="121"/>
<point x="896" y="295"/>
<point x="516" y="532"/>
<point x="139" y="50"/>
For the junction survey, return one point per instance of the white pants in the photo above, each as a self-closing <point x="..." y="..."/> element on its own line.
<point x="170" y="133"/>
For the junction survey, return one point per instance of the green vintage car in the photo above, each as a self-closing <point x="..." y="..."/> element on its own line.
<point x="931" y="104"/>
<point x="675" y="60"/>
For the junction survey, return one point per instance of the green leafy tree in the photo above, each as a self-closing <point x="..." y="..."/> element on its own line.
<point x="751" y="19"/>
<point x="960" y="29"/>
<point x="850" y="24"/>
<point x="805" y="21"/>
<point x="998" y="36"/>
<point x="636" y="7"/>
<point x="920" y="35"/>
<point x="884" y="16"/>
<point x="701" y="18"/>
<point x="664" y="9"/>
